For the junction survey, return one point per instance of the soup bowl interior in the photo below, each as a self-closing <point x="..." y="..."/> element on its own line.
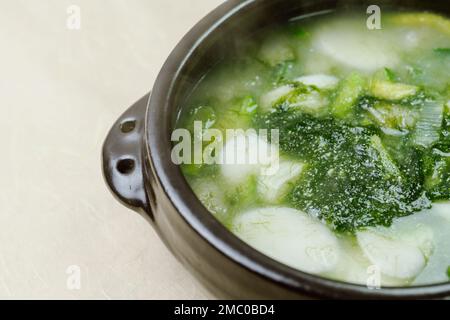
<point x="220" y="33"/>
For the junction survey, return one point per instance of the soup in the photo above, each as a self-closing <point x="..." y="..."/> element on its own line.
<point x="345" y="133"/>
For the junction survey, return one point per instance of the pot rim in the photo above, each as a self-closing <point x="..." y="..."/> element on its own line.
<point x="172" y="182"/>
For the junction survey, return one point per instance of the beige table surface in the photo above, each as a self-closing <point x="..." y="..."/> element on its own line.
<point x="60" y="91"/>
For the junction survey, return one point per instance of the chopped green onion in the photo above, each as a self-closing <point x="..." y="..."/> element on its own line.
<point x="391" y="91"/>
<point x="429" y="124"/>
<point x="388" y="164"/>
<point x="347" y="95"/>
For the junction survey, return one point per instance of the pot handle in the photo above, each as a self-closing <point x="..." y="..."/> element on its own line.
<point x="122" y="157"/>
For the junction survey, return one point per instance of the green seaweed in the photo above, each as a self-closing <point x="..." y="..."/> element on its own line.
<point x="347" y="95"/>
<point x="349" y="182"/>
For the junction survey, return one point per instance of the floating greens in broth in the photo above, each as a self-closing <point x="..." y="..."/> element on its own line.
<point x="364" y="139"/>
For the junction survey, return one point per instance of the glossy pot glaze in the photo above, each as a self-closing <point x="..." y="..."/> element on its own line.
<point x="138" y="169"/>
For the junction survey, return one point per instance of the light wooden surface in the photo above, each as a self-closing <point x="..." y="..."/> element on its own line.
<point x="61" y="90"/>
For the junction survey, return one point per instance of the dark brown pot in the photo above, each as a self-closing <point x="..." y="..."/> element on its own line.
<point x="138" y="169"/>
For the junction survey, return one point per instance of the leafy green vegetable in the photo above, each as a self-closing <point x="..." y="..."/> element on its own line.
<point x="390" y="75"/>
<point x="304" y="98"/>
<point x="205" y="114"/>
<point x="448" y="272"/>
<point x="437" y="170"/>
<point x="384" y="156"/>
<point x="429" y="123"/>
<point x="279" y="72"/>
<point x="248" y="106"/>
<point x="349" y="91"/>
<point x="445" y="133"/>
<point x="391" y="91"/>
<point x="238" y="114"/>
<point x="392" y="116"/>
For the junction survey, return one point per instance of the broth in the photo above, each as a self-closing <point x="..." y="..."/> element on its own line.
<point x="361" y="188"/>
